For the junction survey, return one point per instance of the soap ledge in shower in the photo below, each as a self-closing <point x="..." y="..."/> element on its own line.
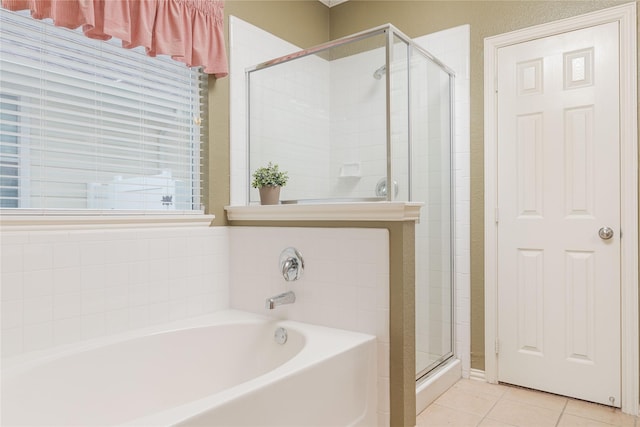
<point x="350" y="170"/>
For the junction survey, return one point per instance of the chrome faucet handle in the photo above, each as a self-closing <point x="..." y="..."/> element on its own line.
<point x="290" y="269"/>
<point x="291" y="264"/>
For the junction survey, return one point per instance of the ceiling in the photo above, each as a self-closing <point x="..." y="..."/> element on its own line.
<point x="331" y="3"/>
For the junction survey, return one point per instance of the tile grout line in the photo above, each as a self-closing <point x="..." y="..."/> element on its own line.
<point x="562" y="412"/>
<point x="484" y="417"/>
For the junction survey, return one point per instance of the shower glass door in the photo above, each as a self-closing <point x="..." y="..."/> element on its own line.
<point x="431" y="145"/>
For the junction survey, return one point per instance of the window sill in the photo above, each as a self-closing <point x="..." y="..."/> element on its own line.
<point x="360" y="211"/>
<point x="61" y="220"/>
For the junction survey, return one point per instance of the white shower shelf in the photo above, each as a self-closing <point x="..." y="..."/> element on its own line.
<point x="350" y="170"/>
<point x="358" y="211"/>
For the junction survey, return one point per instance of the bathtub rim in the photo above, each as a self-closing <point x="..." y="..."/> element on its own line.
<point x="14" y="365"/>
<point x="321" y="343"/>
<point x="306" y="359"/>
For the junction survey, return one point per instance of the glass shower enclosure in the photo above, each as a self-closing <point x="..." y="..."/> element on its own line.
<point x="366" y="118"/>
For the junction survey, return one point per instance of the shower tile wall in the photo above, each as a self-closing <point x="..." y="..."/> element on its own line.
<point x="330" y="117"/>
<point x="61" y="287"/>
<point x="295" y="130"/>
<point x="358" y="125"/>
<point x="248" y="45"/>
<point x="345" y="282"/>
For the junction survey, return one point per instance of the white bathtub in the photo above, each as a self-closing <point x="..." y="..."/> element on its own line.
<point x="224" y="369"/>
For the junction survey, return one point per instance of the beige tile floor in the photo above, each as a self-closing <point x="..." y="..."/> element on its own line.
<point x="476" y="403"/>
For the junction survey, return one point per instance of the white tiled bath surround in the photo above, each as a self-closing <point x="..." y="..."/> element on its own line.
<point x="65" y="286"/>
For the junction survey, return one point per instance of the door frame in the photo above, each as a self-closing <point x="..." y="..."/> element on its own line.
<point x="625" y="15"/>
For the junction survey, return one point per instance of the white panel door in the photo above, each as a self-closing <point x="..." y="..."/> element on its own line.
<point x="558" y="186"/>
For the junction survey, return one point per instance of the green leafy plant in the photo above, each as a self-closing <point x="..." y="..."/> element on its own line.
<point x="269" y="175"/>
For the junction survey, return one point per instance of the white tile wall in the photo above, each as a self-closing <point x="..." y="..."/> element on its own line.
<point x="289" y="125"/>
<point x="345" y="282"/>
<point x="358" y="124"/>
<point x="248" y="46"/>
<point x="332" y="112"/>
<point x="61" y="287"/>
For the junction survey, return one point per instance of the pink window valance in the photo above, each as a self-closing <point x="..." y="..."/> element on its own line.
<point x="190" y="31"/>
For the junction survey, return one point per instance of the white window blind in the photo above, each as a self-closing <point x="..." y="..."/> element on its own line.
<point x="86" y="124"/>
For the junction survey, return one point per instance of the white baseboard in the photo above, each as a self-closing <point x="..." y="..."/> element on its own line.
<point x="477" y="374"/>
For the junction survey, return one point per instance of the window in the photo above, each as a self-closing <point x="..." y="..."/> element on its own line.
<point x="9" y="151"/>
<point x="86" y="124"/>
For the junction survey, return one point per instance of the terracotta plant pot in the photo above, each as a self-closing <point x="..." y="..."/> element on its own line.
<point x="269" y="195"/>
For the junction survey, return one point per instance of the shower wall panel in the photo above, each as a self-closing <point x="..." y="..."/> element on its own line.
<point x="358" y="125"/>
<point x="289" y="125"/>
<point x="249" y="46"/>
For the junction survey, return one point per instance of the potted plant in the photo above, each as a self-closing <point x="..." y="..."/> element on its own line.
<point x="268" y="180"/>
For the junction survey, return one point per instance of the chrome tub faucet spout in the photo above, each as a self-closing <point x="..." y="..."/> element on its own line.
<point x="285" y="298"/>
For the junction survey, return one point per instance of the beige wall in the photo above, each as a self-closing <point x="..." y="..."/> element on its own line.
<point x="486" y="18"/>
